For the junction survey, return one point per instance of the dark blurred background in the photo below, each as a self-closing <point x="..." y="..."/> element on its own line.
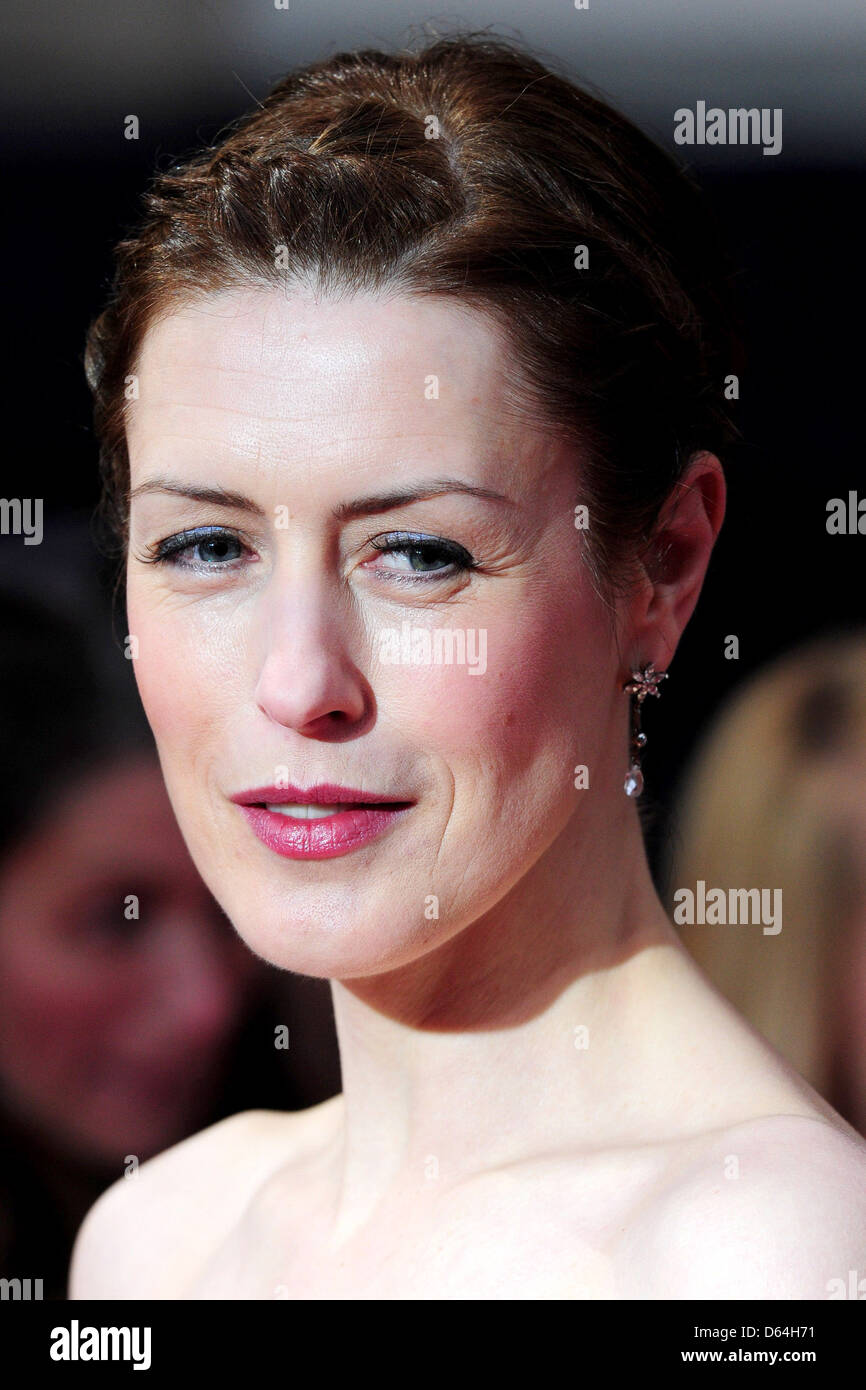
<point x="71" y="75"/>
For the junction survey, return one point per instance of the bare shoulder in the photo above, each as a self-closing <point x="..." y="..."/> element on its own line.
<point x="148" y="1235"/>
<point x="774" y="1207"/>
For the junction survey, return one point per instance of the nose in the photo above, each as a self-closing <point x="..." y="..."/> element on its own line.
<point x="307" y="680"/>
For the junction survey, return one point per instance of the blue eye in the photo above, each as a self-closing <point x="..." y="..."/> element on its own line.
<point x="210" y="547"/>
<point x="427" y="555"/>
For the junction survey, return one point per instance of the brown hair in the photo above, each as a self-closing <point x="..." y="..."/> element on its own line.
<point x="470" y="170"/>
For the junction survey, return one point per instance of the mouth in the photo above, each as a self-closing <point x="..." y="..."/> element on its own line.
<point x="319" y="822"/>
<point x="316" y="803"/>
<point x="300" y="810"/>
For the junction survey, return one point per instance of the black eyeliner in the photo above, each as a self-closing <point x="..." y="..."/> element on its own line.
<point x="410" y="540"/>
<point x="163" y="550"/>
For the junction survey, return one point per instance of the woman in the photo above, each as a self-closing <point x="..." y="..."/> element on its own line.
<point x="775" y="799"/>
<point x="409" y="396"/>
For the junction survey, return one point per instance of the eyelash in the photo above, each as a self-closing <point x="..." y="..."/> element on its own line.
<point x="165" y="552"/>
<point x="395" y="542"/>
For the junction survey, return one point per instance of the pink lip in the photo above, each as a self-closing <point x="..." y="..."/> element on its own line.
<point x="324" y="838"/>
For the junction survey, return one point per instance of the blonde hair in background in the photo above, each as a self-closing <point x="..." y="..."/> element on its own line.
<point x="770" y="801"/>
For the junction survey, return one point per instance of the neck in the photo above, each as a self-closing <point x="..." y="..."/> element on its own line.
<point x="525" y="1029"/>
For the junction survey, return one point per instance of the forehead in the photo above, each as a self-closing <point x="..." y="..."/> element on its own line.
<point x="278" y="363"/>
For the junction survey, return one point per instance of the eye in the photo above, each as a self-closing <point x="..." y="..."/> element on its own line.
<point x="206" y="547"/>
<point x="426" y="557"/>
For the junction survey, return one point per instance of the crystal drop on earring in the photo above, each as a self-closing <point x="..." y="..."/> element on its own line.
<point x="633" y="784"/>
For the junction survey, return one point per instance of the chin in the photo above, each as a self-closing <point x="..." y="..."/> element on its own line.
<point x="335" y="939"/>
<point x="356" y="914"/>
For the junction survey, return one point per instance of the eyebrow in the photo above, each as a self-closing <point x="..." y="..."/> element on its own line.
<point x="362" y="506"/>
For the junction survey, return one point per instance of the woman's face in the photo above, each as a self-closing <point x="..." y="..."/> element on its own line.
<point x="285" y="441"/>
<point x="121" y="983"/>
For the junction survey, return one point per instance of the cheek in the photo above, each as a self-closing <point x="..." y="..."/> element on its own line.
<point x="189" y="669"/>
<point x="528" y="700"/>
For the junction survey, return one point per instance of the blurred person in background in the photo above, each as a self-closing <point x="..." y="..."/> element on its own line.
<point x="127" y="1000"/>
<point x="775" y="798"/>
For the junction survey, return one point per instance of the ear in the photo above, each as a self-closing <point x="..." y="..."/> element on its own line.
<point x="676" y="562"/>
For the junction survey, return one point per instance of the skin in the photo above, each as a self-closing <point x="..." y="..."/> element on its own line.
<point x="483" y="1145"/>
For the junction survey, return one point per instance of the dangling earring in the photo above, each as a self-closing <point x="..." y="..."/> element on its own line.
<point x="642" y="683"/>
